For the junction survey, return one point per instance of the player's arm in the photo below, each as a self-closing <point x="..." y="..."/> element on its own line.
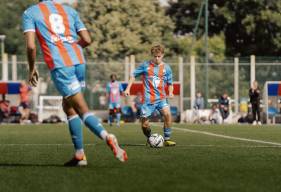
<point x="171" y="90"/>
<point x="130" y="83"/>
<point x="85" y="38"/>
<point x="31" y="55"/>
<point x="138" y="71"/>
<point x="170" y="82"/>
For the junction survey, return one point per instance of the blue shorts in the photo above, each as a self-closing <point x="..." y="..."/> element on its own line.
<point x="114" y="105"/>
<point x="69" y="80"/>
<point x="147" y="109"/>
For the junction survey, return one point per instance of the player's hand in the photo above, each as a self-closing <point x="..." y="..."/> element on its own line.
<point x="33" y="77"/>
<point x="127" y="93"/>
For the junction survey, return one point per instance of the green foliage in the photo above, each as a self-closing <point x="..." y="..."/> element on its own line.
<point x="249" y="26"/>
<point x="10" y="24"/>
<point x="124" y="27"/>
<point x="183" y="45"/>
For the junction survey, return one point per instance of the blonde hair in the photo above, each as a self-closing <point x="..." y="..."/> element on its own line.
<point x="157" y="49"/>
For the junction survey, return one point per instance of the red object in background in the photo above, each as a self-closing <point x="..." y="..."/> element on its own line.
<point x="279" y="90"/>
<point x="138" y="87"/>
<point x="3" y="88"/>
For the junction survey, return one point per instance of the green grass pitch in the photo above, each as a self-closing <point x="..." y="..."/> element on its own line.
<point x="31" y="159"/>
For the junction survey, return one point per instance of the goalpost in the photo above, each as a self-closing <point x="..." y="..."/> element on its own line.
<point x="50" y="105"/>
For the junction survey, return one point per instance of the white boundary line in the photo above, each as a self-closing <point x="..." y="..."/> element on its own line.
<point x="226" y="136"/>
<point x="41" y="144"/>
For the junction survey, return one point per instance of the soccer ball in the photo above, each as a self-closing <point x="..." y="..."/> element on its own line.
<point x="156" y="140"/>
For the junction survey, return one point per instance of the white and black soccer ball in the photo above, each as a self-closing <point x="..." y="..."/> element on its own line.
<point x="156" y="140"/>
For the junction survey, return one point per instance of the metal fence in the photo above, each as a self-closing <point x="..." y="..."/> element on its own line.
<point x="218" y="76"/>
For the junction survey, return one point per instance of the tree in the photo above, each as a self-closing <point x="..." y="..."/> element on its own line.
<point x="124" y="27"/>
<point x="249" y="26"/>
<point x="10" y="24"/>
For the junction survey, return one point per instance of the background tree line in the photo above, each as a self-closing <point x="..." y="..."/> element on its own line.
<point x="123" y="27"/>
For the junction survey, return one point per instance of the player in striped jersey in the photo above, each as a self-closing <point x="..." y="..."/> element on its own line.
<point x="113" y="90"/>
<point x="155" y="74"/>
<point x="62" y="35"/>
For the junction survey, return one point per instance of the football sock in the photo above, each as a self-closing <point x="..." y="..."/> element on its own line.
<point x="167" y="133"/>
<point x="146" y="131"/>
<point x="94" y="125"/>
<point x="118" y="117"/>
<point x="110" y="119"/>
<point x="75" y="129"/>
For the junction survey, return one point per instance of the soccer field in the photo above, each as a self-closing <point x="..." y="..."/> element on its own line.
<point x="206" y="158"/>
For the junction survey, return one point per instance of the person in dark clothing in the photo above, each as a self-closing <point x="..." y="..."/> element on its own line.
<point x="224" y="106"/>
<point x="254" y="94"/>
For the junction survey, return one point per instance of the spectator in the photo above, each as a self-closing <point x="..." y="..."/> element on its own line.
<point x="215" y="116"/>
<point x="224" y="106"/>
<point x="199" y="101"/>
<point x="254" y="94"/>
<point x="24" y="101"/>
<point x="4" y="108"/>
<point x="197" y="106"/>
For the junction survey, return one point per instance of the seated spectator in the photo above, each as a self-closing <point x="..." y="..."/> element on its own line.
<point x="215" y="116"/>
<point x="199" y="101"/>
<point x="4" y="108"/>
<point x="224" y="106"/>
<point x="24" y="101"/>
<point x="197" y="105"/>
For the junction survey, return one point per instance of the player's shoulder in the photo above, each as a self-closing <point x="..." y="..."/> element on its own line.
<point x="167" y="66"/>
<point x="30" y="10"/>
<point x="69" y="9"/>
<point x="145" y="63"/>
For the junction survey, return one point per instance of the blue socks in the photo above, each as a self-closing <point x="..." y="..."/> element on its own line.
<point x="75" y="128"/>
<point x="167" y="133"/>
<point x="94" y="125"/>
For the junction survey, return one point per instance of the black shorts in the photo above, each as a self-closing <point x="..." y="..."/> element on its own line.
<point x="25" y="105"/>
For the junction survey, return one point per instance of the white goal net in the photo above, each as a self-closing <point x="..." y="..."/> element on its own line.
<point x="50" y="105"/>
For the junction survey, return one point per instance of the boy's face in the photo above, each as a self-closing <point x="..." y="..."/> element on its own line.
<point x="157" y="58"/>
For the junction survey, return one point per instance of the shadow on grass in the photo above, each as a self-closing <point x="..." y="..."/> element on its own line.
<point x="29" y="165"/>
<point x="132" y="145"/>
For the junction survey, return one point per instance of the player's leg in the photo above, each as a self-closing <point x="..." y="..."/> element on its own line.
<point x="111" y="114"/>
<point x="118" y="115"/>
<point x="258" y="114"/>
<point x="164" y="108"/>
<point x="145" y="112"/>
<point x="78" y="102"/>
<point x="67" y="83"/>
<point x="145" y="127"/>
<point x="254" y="111"/>
<point x="75" y="129"/>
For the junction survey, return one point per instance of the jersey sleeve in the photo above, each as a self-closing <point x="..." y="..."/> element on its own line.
<point x="28" y="23"/>
<point x="79" y="25"/>
<point x="169" y="75"/>
<point x="139" y="70"/>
